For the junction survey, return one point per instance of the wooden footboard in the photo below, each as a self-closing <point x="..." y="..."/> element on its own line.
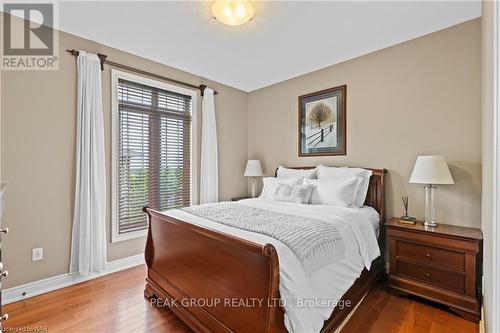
<point x="214" y="282"/>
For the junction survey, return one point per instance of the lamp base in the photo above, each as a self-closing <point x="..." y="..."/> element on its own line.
<point x="254" y="187"/>
<point x="430" y="207"/>
<point x="430" y="224"/>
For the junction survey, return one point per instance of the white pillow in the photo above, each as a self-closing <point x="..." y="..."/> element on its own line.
<point x="337" y="191"/>
<point x="293" y="173"/>
<point x="297" y="194"/>
<point x="360" y="195"/>
<point x="270" y="184"/>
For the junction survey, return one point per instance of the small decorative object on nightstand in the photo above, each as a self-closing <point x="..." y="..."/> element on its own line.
<point x="253" y="170"/>
<point x="406" y="218"/>
<point x="441" y="264"/>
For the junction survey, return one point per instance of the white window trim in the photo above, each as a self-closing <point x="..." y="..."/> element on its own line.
<point x="115" y="75"/>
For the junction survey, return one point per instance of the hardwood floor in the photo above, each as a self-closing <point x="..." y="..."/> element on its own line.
<point x="381" y="312"/>
<point x="115" y="303"/>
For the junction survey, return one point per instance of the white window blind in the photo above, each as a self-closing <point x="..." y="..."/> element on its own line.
<point x="154" y="152"/>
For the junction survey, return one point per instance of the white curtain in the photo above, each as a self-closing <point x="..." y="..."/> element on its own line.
<point x="88" y="244"/>
<point x="209" y="187"/>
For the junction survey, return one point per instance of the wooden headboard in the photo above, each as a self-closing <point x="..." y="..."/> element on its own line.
<point x="375" y="197"/>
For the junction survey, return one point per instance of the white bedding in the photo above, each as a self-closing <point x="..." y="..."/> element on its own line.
<point x="359" y="229"/>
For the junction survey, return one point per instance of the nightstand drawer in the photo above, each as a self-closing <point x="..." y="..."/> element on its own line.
<point x="431" y="255"/>
<point x="435" y="276"/>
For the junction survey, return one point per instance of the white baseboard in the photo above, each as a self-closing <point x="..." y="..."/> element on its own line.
<point x="64" y="280"/>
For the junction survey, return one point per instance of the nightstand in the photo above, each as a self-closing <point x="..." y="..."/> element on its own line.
<point x="240" y="198"/>
<point x="442" y="264"/>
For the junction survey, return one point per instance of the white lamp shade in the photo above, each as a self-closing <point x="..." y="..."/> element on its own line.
<point x="253" y="169"/>
<point x="431" y="170"/>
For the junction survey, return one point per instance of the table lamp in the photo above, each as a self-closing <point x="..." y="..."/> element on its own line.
<point x="430" y="170"/>
<point x="253" y="170"/>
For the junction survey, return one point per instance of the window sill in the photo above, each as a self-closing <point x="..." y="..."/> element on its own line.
<point x="129" y="235"/>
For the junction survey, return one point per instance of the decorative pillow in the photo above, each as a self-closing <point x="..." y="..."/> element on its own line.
<point x="270" y="184"/>
<point x="338" y="191"/>
<point x="293" y="173"/>
<point x="297" y="194"/>
<point x="360" y="195"/>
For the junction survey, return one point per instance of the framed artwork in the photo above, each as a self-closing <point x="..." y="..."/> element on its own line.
<point x="322" y="123"/>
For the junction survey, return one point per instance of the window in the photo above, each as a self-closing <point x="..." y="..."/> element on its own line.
<point x="152" y="151"/>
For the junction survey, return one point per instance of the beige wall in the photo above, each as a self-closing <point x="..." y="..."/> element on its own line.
<point x="419" y="97"/>
<point x="487" y="44"/>
<point x="38" y="157"/>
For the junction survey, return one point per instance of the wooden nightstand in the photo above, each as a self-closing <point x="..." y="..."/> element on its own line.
<point x="442" y="264"/>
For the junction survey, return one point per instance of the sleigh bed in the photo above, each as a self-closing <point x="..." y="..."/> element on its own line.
<point x="195" y="271"/>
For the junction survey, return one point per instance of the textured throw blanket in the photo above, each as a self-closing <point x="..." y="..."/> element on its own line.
<point x="315" y="242"/>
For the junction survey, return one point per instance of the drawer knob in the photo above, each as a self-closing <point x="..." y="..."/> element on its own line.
<point x="428" y="275"/>
<point x="5" y="230"/>
<point x="4" y="274"/>
<point x="4" y="317"/>
<point x="428" y="255"/>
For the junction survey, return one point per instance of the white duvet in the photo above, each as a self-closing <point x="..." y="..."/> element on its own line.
<point x="309" y="301"/>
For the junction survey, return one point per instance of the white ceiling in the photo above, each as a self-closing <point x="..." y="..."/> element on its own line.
<point x="284" y="40"/>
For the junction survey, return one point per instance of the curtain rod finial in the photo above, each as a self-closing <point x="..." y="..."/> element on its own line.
<point x="73" y="52"/>
<point x="102" y="58"/>
<point x="202" y="89"/>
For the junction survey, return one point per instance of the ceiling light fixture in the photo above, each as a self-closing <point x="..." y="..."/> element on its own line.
<point x="233" y="12"/>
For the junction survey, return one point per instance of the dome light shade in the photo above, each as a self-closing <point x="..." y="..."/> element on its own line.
<point x="233" y="12"/>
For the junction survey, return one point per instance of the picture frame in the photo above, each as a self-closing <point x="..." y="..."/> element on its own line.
<point x="322" y="123"/>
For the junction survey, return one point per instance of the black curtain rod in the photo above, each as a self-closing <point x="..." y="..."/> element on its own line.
<point x="104" y="60"/>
